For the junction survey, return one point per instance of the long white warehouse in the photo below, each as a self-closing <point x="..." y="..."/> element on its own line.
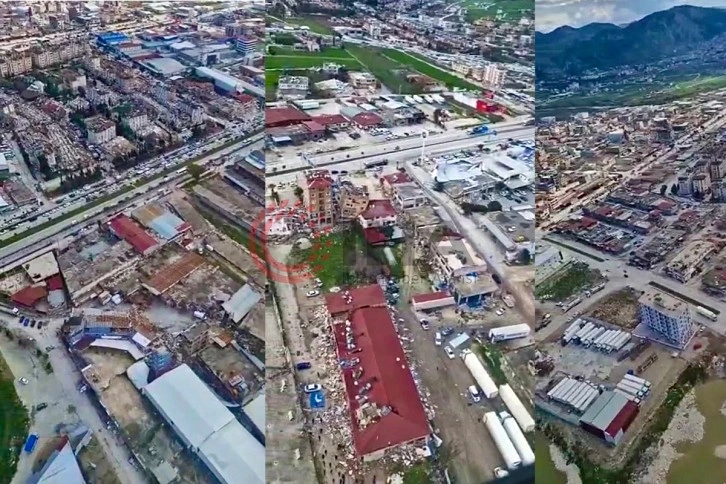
<point x="480" y="375"/>
<point x="207" y="427"/>
<point x="502" y="441"/>
<point x="516" y="408"/>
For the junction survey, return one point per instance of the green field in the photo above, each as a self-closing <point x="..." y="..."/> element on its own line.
<point x="638" y="94"/>
<point x="13" y="424"/>
<point x="574" y="279"/>
<point x="317" y="26"/>
<point x="328" y="53"/>
<point x="424" y="66"/>
<point x="330" y="257"/>
<point x="512" y="10"/>
<point x="305" y="61"/>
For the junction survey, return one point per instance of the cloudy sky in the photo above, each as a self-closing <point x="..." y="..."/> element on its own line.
<point x="551" y="14"/>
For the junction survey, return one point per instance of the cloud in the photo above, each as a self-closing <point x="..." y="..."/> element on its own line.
<point x="550" y="14"/>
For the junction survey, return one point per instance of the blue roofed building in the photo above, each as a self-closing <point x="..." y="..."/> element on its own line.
<point x="158" y="219"/>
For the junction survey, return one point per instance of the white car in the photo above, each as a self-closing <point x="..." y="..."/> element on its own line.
<point x="312" y="293"/>
<point x="23" y="380"/>
<point x="449" y="353"/>
<point x="500" y="472"/>
<point x="438" y="339"/>
<point x="312" y="388"/>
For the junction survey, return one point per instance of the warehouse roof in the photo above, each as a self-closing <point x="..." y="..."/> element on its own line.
<point x="604" y="410"/>
<point x="60" y="468"/>
<point x="126" y="229"/>
<point x="255" y="410"/>
<point x="209" y="428"/>
<point x="393" y="413"/>
<point x="242" y="302"/>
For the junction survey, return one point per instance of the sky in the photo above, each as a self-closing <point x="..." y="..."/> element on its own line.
<point x="550" y="14"/>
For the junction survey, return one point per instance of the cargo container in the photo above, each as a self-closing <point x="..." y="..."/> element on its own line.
<point x="622" y="341"/>
<point x="482" y="378"/>
<point x="629" y="389"/>
<point x="594" y="335"/>
<point x="30" y="443"/>
<point x="586" y="404"/>
<point x="585" y="329"/>
<point x="557" y="387"/>
<point x="518" y="439"/>
<point x="638" y="380"/>
<point x="502" y="441"/>
<point x="516" y="408"/>
<point x="576" y="402"/>
<point x="569" y="382"/>
<point x="579" y="392"/>
<point x="636" y="386"/>
<point x="575" y="388"/>
<point x="506" y="333"/>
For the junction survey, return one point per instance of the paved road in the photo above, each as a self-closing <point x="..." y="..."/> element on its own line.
<point x="614" y="268"/>
<point x="50" y="234"/>
<point x="66" y="373"/>
<point x="403" y="156"/>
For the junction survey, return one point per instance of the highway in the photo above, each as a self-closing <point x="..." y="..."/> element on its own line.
<point x="456" y="144"/>
<point x="46" y="236"/>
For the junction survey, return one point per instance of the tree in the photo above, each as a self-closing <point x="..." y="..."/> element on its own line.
<point x="494" y="206"/>
<point x="276" y="197"/>
<point x="195" y="171"/>
<point x="299" y="193"/>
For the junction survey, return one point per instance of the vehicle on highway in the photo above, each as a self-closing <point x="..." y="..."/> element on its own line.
<point x="312" y="388"/>
<point x="375" y="163"/>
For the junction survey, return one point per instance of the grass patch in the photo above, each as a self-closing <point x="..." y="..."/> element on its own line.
<point x="239" y="236"/>
<point x="493" y="359"/>
<point x="424" y="66"/>
<point x="327" y="52"/>
<point x="511" y="10"/>
<point x="317" y="26"/>
<point x="329" y="257"/>
<point x="304" y="61"/>
<point x="545" y="470"/>
<point x="14" y="424"/>
<point x="386" y="70"/>
<point x="418" y="474"/>
<point x="574" y="279"/>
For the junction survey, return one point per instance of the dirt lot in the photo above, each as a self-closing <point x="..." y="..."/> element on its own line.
<point x="108" y="377"/>
<point x="239" y="256"/>
<point x="228" y="363"/>
<point x="620" y="308"/>
<point x="95" y="464"/>
<point x="186" y="210"/>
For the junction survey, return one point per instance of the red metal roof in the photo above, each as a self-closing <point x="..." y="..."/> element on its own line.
<point x="378" y="209"/>
<point x="432" y="296"/>
<point x="125" y="228"/>
<point x="284" y="116"/>
<point x="623" y="419"/>
<point x="367" y="119"/>
<point x="330" y="119"/>
<point x="319" y="179"/>
<point x="54" y="283"/>
<point x="360" y="297"/>
<point x="29" y="296"/>
<point x="393" y="411"/>
<point x="397" y="178"/>
<point x="314" y="126"/>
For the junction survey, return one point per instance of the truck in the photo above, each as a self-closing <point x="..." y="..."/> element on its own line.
<point x="517" y="409"/>
<point x="636" y="386"/>
<point x="628" y="389"/>
<point x="706" y="313"/>
<point x="502" y="441"/>
<point x="481" y="377"/>
<point x="30" y="443"/>
<point x="506" y="333"/>
<point x="627" y="395"/>
<point x="518" y="439"/>
<point x="637" y="380"/>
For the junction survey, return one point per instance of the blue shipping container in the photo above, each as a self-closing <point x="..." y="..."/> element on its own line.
<point x="30" y="443"/>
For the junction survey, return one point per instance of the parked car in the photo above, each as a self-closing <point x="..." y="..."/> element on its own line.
<point x="449" y="353"/>
<point x="312" y="293"/>
<point x="474" y="393"/>
<point x="312" y="388"/>
<point x="23" y="380"/>
<point x="438" y="339"/>
<point x="305" y="365"/>
<point x="41" y="406"/>
<point x="425" y="324"/>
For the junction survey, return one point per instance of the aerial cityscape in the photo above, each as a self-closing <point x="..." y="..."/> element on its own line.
<point x="335" y="242"/>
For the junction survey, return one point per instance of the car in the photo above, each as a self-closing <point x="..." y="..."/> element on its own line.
<point x="447" y="331"/>
<point x="500" y="472"/>
<point x="40" y="324"/>
<point x="304" y="365"/>
<point x="32" y="323"/>
<point x="312" y="293"/>
<point x="318" y="282"/>
<point x="474" y="394"/>
<point x="438" y="339"/>
<point x="425" y="324"/>
<point x="41" y="406"/>
<point x="449" y="353"/>
<point x="312" y="388"/>
<point x="23" y="380"/>
<point x="26" y="322"/>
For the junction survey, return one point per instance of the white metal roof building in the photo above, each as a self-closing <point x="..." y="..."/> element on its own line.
<point x="256" y="411"/>
<point x="207" y="427"/>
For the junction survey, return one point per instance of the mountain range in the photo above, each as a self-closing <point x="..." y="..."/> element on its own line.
<point x="679" y="30"/>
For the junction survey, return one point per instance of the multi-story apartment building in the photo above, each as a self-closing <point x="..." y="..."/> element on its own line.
<point x="493" y="75"/>
<point x="668" y="316"/>
<point x="362" y="80"/>
<point x="100" y="130"/>
<point x="688" y="261"/>
<point x="46" y="56"/>
<point x="352" y="200"/>
<point x="317" y="186"/>
<point x="15" y="63"/>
